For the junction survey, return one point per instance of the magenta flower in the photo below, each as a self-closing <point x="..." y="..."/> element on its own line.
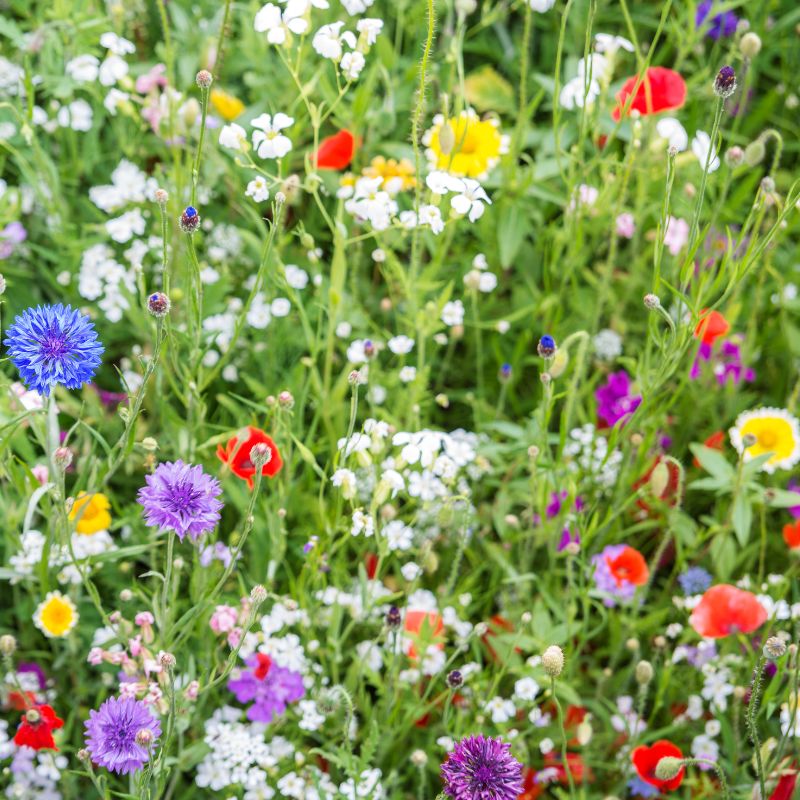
<point x="614" y="399"/>
<point x="482" y="769"/>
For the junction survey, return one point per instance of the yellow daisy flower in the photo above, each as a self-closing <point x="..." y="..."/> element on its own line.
<point x="91" y="511"/>
<point x="56" y="615"/>
<point x="226" y="105"/>
<point x="472" y="146"/>
<point x="397" y="175"/>
<point x="769" y="430"/>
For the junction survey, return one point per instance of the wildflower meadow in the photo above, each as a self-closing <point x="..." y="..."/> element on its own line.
<point x="399" y="399"/>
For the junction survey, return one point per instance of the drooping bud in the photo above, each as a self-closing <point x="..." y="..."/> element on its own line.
<point x="668" y="768"/>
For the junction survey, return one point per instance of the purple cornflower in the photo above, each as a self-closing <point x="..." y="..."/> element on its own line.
<point x="269" y="689"/>
<point x="115" y="730"/>
<point x="13" y="234"/>
<point x="694" y="581"/>
<point x="727" y="363"/>
<point x="52" y="345"/>
<point x="720" y="24"/>
<point x="614" y="399"/>
<point x="482" y="769"/>
<point x="182" y="498"/>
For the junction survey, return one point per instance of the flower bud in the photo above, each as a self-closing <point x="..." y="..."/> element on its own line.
<point x="158" y="304"/>
<point x="258" y="594"/>
<point x="168" y="660"/>
<point x="454" y="679"/>
<point x="447" y="138"/>
<point x="754" y="153"/>
<point x="652" y="301"/>
<point x="161" y="196"/>
<point x="189" y="221"/>
<point x="150" y="444"/>
<point x="725" y="82"/>
<point x="62" y="458"/>
<point x="204" y="79"/>
<point x="260" y="455"/>
<point x="668" y="768"/>
<point x="393" y="618"/>
<point x="750" y="45"/>
<point x="144" y="737"/>
<point x="644" y="673"/>
<point x="734" y="156"/>
<point x="546" y="347"/>
<point x="8" y="644"/>
<point x="553" y="661"/>
<point x="774" y="648"/>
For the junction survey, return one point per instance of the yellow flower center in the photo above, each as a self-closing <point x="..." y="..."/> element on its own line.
<point x="773" y="435"/>
<point x="477" y="146"/>
<point x="57" y="616"/>
<point x="91" y="512"/>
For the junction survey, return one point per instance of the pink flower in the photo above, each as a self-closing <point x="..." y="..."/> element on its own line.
<point x="150" y="80"/>
<point x="95" y="656"/>
<point x="192" y="690"/>
<point x="135" y="646"/>
<point x="626" y="225"/>
<point x="676" y="235"/>
<point x="145" y="620"/>
<point x="234" y="637"/>
<point x="223" y="620"/>
<point x="41" y="473"/>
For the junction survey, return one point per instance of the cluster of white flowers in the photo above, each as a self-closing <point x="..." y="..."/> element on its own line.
<point x="587" y="451"/>
<point x="607" y="345"/>
<point x="594" y="73"/>
<point x="480" y="278"/>
<point x="32" y="543"/>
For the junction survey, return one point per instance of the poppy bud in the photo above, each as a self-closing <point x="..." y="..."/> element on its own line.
<point x="644" y="673"/>
<point x="750" y="45"/>
<point x="553" y="661"/>
<point x="8" y="644"/>
<point x="754" y="153"/>
<point x="659" y="479"/>
<point x="560" y="362"/>
<point x="774" y="648"/>
<point x="447" y="139"/>
<point x="668" y="768"/>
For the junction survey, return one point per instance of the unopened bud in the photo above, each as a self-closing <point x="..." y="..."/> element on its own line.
<point x="454" y="679"/>
<point x="168" y="660"/>
<point x="260" y="454"/>
<point x="447" y="139"/>
<point x="644" y="673"/>
<point x="750" y="45"/>
<point x="161" y="197"/>
<point x="668" y="768"/>
<point x="62" y="458"/>
<point x="144" y="737"/>
<point x="158" y="304"/>
<point x="774" y="648"/>
<point x="652" y="301"/>
<point x="204" y="79"/>
<point x="8" y="644"/>
<point x="754" y="153"/>
<point x="149" y="444"/>
<point x="553" y="661"/>
<point x="734" y="156"/>
<point x="748" y="440"/>
<point x="258" y="594"/>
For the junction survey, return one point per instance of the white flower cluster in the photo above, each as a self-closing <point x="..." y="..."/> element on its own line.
<point x="594" y="72"/>
<point x="587" y="451"/>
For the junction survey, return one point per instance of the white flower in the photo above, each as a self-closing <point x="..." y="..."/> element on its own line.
<point x="351" y="64"/>
<point x="607" y="43"/>
<point x="607" y="345"/>
<point x="83" y="68"/>
<point x="399" y="536"/>
<point x="400" y="345"/>
<point x="501" y="709"/>
<point x="575" y="93"/>
<point x="296" y="278"/>
<point x="702" y="148"/>
<point x="113" y="69"/>
<point x="77" y="115"/>
<point x="541" y="6"/>
<point x="369" y="29"/>
<point x="354" y="7"/>
<point x="345" y="479"/>
<point x="277" y="25"/>
<point x="411" y="571"/>
<point x="280" y="307"/>
<point x="370" y="203"/>
<point x="670" y="129"/>
<point x="116" y="44"/>
<point x="407" y="374"/>
<point x="453" y="313"/>
<point x="526" y="689"/>
<point x="114" y="99"/>
<point x="232" y="136"/>
<point x="328" y="40"/>
<point x="258" y="189"/>
<point x="470" y="198"/>
<point x="268" y="140"/>
<point x="362" y="523"/>
<point x="430" y="215"/>
<point x="370" y="654"/>
<point x="123" y="229"/>
<point x="440" y="182"/>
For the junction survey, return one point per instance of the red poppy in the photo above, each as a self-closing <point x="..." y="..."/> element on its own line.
<point x="714" y="442"/>
<point x="237" y="456"/>
<point x="580" y="772"/>
<point x="264" y="666"/>
<point x="791" y="534"/>
<point x="629" y="566"/>
<point x="36" y="728"/>
<point x="372" y="562"/>
<point x="433" y="627"/>
<point x="335" y="152"/>
<point x="19" y="701"/>
<point x="712" y="325"/>
<point x="645" y="759"/>
<point x="661" y="89"/>
<point x="785" y="788"/>
<point x="724" y="609"/>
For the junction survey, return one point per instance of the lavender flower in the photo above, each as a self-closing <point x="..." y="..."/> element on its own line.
<point x="13" y="234"/>
<point x="609" y="586"/>
<point x="614" y="399"/>
<point x="694" y="581"/>
<point x="53" y="345"/>
<point x="269" y="689"/>
<point x="112" y="730"/>
<point x="182" y="498"/>
<point x="482" y="769"/>
<point x="727" y="364"/>
<point x="720" y="24"/>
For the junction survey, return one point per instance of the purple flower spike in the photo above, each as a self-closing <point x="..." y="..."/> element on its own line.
<point x="482" y="769"/>
<point x="182" y="498"/>
<point x="117" y="732"/>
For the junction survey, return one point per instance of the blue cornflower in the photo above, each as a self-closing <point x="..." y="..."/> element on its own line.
<point x="694" y="581"/>
<point x="720" y="25"/>
<point x="54" y="344"/>
<point x="547" y="346"/>
<point x="639" y="788"/>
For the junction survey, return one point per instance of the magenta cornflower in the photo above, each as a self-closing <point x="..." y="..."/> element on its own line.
<point x="181" y="498"/>
<point x="615" y="401"/>
<point x="482" y="769"/>
<point x="120" y="735"/>
<point x="269" y="687"/>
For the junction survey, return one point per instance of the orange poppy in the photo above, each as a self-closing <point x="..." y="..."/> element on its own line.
<point x="645" y="759"/>
<point x="712" y="325"/>
<point x="428" y="622"/>
<point x="791" y="534"/>
<point x="335" y="152"/>
<point x="724" y="610"/>
<point x="629" y="566"/>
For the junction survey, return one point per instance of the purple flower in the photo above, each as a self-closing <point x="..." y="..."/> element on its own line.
<point x="557" y="501"/>
<point x="217" y="552"/>
<point x="482" y="769"/>
<point x="13" y="234"/>
<point x="726" y="363"/>
<point x="614" y="399"/>
<point x="639" y="788"/>
<point x="270" y="693"/>
<point x="32" y="668"/>
<point x="608" y="585"/>
<point x="568" y="537"/>
<point x="720" y="24"/>
<point x="53" y="345"/>
<point x="112" y="732"/>
<point x="794" y="486"/>
<point x="182" y="498"/>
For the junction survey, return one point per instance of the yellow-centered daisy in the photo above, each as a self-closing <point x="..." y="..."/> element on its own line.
<point x="465" y="145"/>
<point x="56" y="615"/>
<point x="768" y="430"/>
<point x="91" y="512"/>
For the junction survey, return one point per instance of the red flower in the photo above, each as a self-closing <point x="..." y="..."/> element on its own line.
<point x="335" y="152"/>
<point x="785" y="788"/>
<point x="661" y="89"/>
<point x="237" y="456"/>
<point x="712" y="325"/>
<point x="671" y="492"/>
<point x="714" y="442"/>
<point x="36" y="728"/>
<point x="791" y="534"/>
<point x="629" y="566"/>
<point x="433" y="627"/>
<point x="646" y="758"/>
<point x="264" y="666"/>
<point x="725" y="609"/>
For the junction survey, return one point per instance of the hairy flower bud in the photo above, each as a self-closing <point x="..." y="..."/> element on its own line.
<point x="204" y="79"/>
<point x="750" y="45"/>
<point x="725" y="82"/>
<point x="668" y="768"/>
<point x="189" y="221"/>
<point x="158" y="304"/>
<point x="553" y="660"/>
<point x="644" y="673"/>
<point x="774" y="648"/>
<point x="8" y="644"/>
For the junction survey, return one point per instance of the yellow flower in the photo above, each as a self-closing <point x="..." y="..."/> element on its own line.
<point x="56" y="616"/>
<point x="226" y="105"/>
<point x="471" y="146"/>
<point x="769" y="430"/>
<point x="397" y="175"/>
<point x="91" y="511"/>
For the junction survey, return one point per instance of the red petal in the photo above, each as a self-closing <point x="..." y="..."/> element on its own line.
<point x="661" y="89"/>
<point x="335" y="152"/>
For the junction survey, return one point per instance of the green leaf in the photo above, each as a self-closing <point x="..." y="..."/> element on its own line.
<point x="780" y="498"/>
<point x="486" y="90"/>
<point x="742" y="518"/>
<point x="713" y="462"/>
<point x="511" y="231"/>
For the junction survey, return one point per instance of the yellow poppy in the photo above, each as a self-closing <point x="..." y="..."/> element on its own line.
<point x="91" y="512"/>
